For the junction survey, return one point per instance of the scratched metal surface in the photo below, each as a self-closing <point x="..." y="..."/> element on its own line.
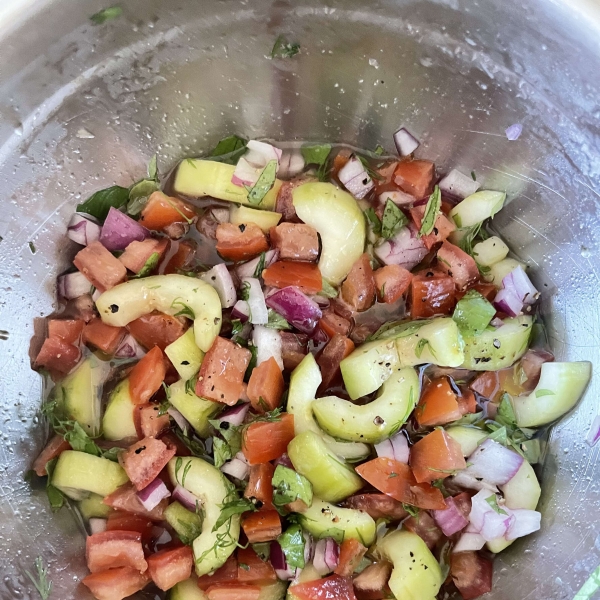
<point x="175" y="76"/>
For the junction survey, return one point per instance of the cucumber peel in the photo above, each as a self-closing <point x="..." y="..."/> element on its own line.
<point x="117" y="422"/>
<point x="196" y="410"/>
<point x="185" y="355"/>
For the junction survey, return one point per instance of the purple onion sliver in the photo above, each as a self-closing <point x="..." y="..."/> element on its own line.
<point x="235" y="415"/>
<point x="153" y="493"/>
<point x="236" y="468"/>
<point x="119" y="230"/>
<point x="73" y="285"/>
<point x="240" y="311"/>
<point x="594" y="433"/>
<point x="130" y="348"/>
<point x="514" y="132"/>
<point x="83" y="230"/>
<point x="247" y="269"/>
<point x="332" y="553"/>
<point x="494" y="463"/>
<point x="284" y="461"/>
<point x="451" y="520"/>
<point x="400" y="447"/>
<point x="385" y="449"/>
<point x="244" y="173"/>
<point x="524" y="522"/>
<point x="296" y="308"/>
<point x="277" y="557"/>
<point x="319" y="562"/>
<point x="508" y="302"/>
<point x="405" y="142"/>
<point x="186" y="498"/>
<point x="518" y="281"/>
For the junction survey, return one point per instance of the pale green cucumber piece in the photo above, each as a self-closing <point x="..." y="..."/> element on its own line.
<point x="187" y="590"/>
<point x="416" y="574"/>
<point x="339" y="221"/>
<point x="210" y="486"/>
<point x="309" y="573"/>
<point x="78" y="474"/>
<point x="273" y="591"/>
<point x="185" y="355"/>
<point x="323" y="520"/>
<point x="468" y="437"/>
<point x="377" y="420"/>
<point x="195" y="409"/>
<point x="477" y="207"/>
<point x="197" y="178"/>
<point x="498" y="271"/>
<point x="368" y="367"/>
<point x="93" y="507"/>
<point x="331" y="479"/>
<point x="170" y="294"/>
<point x="265" y="219"/>
<point x="117" y="422"/>
<point x="304" y="382"/>
<point x="496" y="349"/>
<point x="560" y="387"/>
<point x="187" y="524"/>
<point x="490" y="251"/>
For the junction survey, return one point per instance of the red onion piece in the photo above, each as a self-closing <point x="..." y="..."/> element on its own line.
<point x="291" y="163"/>
<point x="268" y="344"/>
<point x="237" y="467"/>
<point x="321" y="301"/>
<point x="395" y="448"/>
<point x="507" y="301"/>
<point x="130" y="348"/>
<point x="405" y="142"/>
<point x="258" y="154"/>
<point x="355" y="178"/>
<point x="186" y="498"/>
<point x="398" y="197"/>
<point x="497" y="323"/>
<point x="451" y="520"/>
<point x="296" y="308"/>
<point x="471" y="482"/>
<point x="83" y="230"/>
<point x="458" y="185"/>
<point x="319" y="562"/>
<point x="234" y="415"/>
<point x="332" y="553"/>
<point x="245" y="173"/>
<point x="181" y="421"/>
<point x="248" y="269"/>
<point x="278" y="560"/>
<point x="284" y="461"/>
<point x="97" y="525"/>
<point x="405" y="249"/>
<point x="153" y="493"/>
<point x="518" y="280"/>
<point x="119" y="230"/>
<point x="494" y="463"/>
<point x="73" y="285"/>
<point x="241" y="311"/>
<point x="594" y="433"/>
<point x="514" y="132"/>
<point x="256" y="301"/>
<point x="485" y="520"/>
<point x="220" y="279"/>
<point x="525" y="522"/>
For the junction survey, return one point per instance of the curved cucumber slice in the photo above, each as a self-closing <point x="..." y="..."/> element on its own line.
<point x="117" y="423"/>
<point x="170" y="294"/>
<point x="375" y="421"/>
<point x="496" y="349"/>
<point x="560" y="387"/>
<point x="187" y="524"/>
<point x="94" y="507"/>
<point x="468" y="437"/>
<point x="187" y="590"/>
<point x="209" y="485"/>
<point x="265" y="219"/>
<point x="330" y="478"/>
<point x="477" y="207"/>
<point x="78" y="474"/>
<point x="327" y="520"/>
<point x="416" y="574"/>
<point x="337" y="217"/>
<point x="198" y="178"/>
<point x="185" y="355"/>
<point x="304" y="382"/>
<point x="195" y="409"/>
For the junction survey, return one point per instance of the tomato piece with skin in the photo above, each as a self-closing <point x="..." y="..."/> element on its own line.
<point x="172" y="441"/>
<point x="261" y="526"/>
<point x="333" y="587"/>
<point x="260" y="486"/>
<point x="102" y="336"/>
<point x="144" y="460"/>
<point x="147" y="376"/>
<point x="266" y="386"/>
<point x="340" y="161"/>
<point x="57" y="355"/>
<point x="462" y="501"/>
<point x="438" y="404"/>
<point x="338" y="348"/>
<point x="181" y="258"/>
<point x="378" y="506"/>
<point x="457" y="264"/>
<point x="351" y="553"/>
<point x="68" y="330"/>
<point x="467" y="404"/>
<point x="123" y="521"/>
<point x="294" y="349"/>
<point x="169" y="567"/>
<point x="432" y="293"/>
<point x="100" y="267"/>
<point x="415" y="177"/>
<point x="358" y="289"/>
<point x="148" y="422"/>
<point x="116" y="584"/>
<point x="53" y="449"/>
<point x="303" y="275"/>
<point x="391" y="283"/>
<point x="384" y="180"/>
<point x="125" y="498"/>
<point x="161" y="211"/>
<point x="233" y="591"/>
<point x="487" y="290"/>
<point x="425" y="527"/>
<point x="112" y="549"/>
<point x="471" y="573"/>
<point x="295" y="241"/>
<point x="436" y="456"/>
<point x="487" y="384"/>
<point x="266" y="441"/>
<point x="157" y="329"/>
<point x="227" y="573"/>
<point x="240" y="242"/>
<point x="253" y="569"/>
<point x="332" y="323"/>
<point x="442" y="227"/>
<point x="137" y="254"/>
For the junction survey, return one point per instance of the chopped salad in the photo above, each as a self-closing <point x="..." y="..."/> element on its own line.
<point x="301" y="373"/>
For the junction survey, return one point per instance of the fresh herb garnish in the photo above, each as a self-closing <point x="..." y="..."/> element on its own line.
<point x="473" y="313"/>
<point x="541" y="393"/>
<point x="276" y="321"/>
<point x="396" y="329"/>
<point x="292" y="545"/>
<point x="185" y="311"/>
<point x="236" y="327"/>
<point x="234" y="507"/>
<point x="493" y="502"/>
<point x="229" y="149"/>
<point x="468" y="236"/>
<point x="473" y="176"/>
<point x="263" y="184"/>
<point x="139" y="193"/>
<point x="149" y="266"/>
<point x="55" y="496"/>
<point x="289" y="486"/>
<point x="245" y="291"/>
<point x="98" y="204"/>
<point x="272" y="416"/>
<point x="260" y="267"/>
<point x="328" y="290"/>
<point x="32" y="248"/>
<point x="373" y="220"/>
<point x="40" y="579"/>
<point x="413" y="511"/>
<point x="317" y="154"/>
<point x="421" y="345"/>
<point x="284" y="49"/>
<point x="431" y="212"/>
<point x="379" y="150"/>
<point x="106" y="14"/>
<point x="393" y="220"/>
<point x="221" y="452"/>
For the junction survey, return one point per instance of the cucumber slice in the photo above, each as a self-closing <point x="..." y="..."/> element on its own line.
<point x="468" y="437"/>
<point x="331" y="479"/>
<point x="304" y="382"/>
<point x="195" y="409"/>
<point x="170" y="294"/>
<point x="78" y="474"/>
<point x="560" y="387"/>
<point x="185" y="355"/>
<point x="365" y="370"/>
<point x="490" y="251"/>
<point x="209" y="485"/>
<point x="496" y="349"/>
<point x="79" y="395"/>
<point x="198" y="178"/>
<point x="187" y="590"/>
<point x="327" y="520"/>
<point x="265" y="219"/>
<point x="477" y="207"/>
<point x="375" y="421"/>
<point x="340" y="223"/>
<point x="187" y="524"/>
<point x="93" y="507"/>
<point x="416" y="574"/>
<point x="117" y="423"/>
<point x="498" y="271"/>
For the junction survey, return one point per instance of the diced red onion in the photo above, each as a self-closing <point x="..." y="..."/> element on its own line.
<point x="284" y="461"/>
<point x="234" y="415"/>
<point x="97" y="525"/>
<point x="514" y="132"/>
<point x="291" y="163"/>
<point x="594" y="433"/>
<point x="220" y="279"/>
<point x="309" y="546"/>
<point x="278" y="560"/>
<point x="531" y="365"/>
<point x="398" y="197"/>
<point x="507" y="301"/>
<point x="405" y="142"/>
<point x="469" y="542"/>
<point x="258" y="154"/>
<point x="186" y="498"/>
<point x="395" y="448"/>
<point x="247" y="269"/>
<point x="240" y="311"/>
<point x="405" y="249"/>
<point x="518" y="280"/>
<point x="319" y="336"/>
<point x="153" y="493"/>
<point x="458" y="185"/>
<point x="130" y="348"/>
<point x="256" y="301"/>
<point x="245" y="173"/>
<point x="332" y="553"/>
<point x="268" y="344"/>
<point x="73" y="285"/>
<point x="485" y="520"/>
<point x="237" y="467"/>
<point x="181" y="421"/>
<point x="355" y="178"/>
<point x="83" y="230"/>
<point x="451" y="520"/>
<point x="119" y="230"/>
<point x="296" y="308"/>
<point x="525" y="522"/>
<point x="471" y="482"/>
<point x="324" y="551"/>
<point x="494" y="463"/>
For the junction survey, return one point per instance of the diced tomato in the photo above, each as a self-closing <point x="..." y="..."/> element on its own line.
<point x="57" y="355"/>
<point x="233" y="591"/>
<point x="260" y="486"/>
<point x="68" y="330"/>
<point x="432" y="293"/>
<point x="303" y="275"/>
<point x="351" y="553"/>
<point x="147" y="376"/>
<point x="137" y="254"/>
<point x="54" y="448"/>
<point x="123" y="521"/>
<point x="340" y="161"/>
<point x="285" y="203"/>
<point x="424" y="526"/>
<point x="378" y="506"/>
<point x="144" y="460"/>
<point x="240" y="242"/>
<point x="125" y="498"/>
<point x="531" y="367"/>
<point x="161" y="211"/>
<point x="397" y="480"/>
<point x="252" y="569"/>
<point x="295" y="241"/>
<point x="113" y="549"/>
<point x="157" y="329"/>
<point x="148" y="423"/>
<point x="358" y="290"/>
<point x="487" y="290"/>
<point x="103" y="270"/>
<point x="457" y="264"/>
<point x="471" y="573"/>
<point x="261" y="526"/>
<point x="338" y="348"/>
<point x="168" y="567"/>
<point x="182" y="257"/>
<point x="222" y="372"/>
<point x="266" y="385"/>
<point x="294" y="349"/>
<point x="225" y="574"/>
<point x="331" y="323"/>
<point x="438" y="404"/>
<point x="266" y="441"/>
<point x="333" y="586"/>
<point x="415" y="177"/>
<point x="466" y="402"/>
<point x="115" y="584"/>
<point x="391" y="283"/>
<point x="462" y="501"/>
<point x="436" y="456"/>
<point x="172" y="441"/>
<point x="372" y="583"/>
<point x="487" y="384"/>
<point x="104" y="337"/>
<point x="383" y="182"/>
<point x="442" y="227"/>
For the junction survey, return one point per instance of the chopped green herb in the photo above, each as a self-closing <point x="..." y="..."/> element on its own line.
<point x="153" y="168"/>
<point x="373" y="220"/>
<point x="149" y="266"/>
<point x="421" y="345"/>
<point x="163" y="407"/>
<point x="245" y="291"/>
<point x="379" y="150"/>
<point x="284" y="49"/>
<point x="263" y="184"/>
<point x="289" y="486"/>
<point x="506" y="413"/>
<point x="542" y="393"/>
<point x="272" y="416"/>
<point x="431" y="212"/>
<point x="473" y="313"/>
<point x="468" y="235"/>
<point x="252" y="362"/>
<point x="473" y="177"/>
<point x="367" y="165"/>
<point x="260" y="267"/>
<point x="32" y="248"/>
<point x="55" y="496"/>
<point x="229" y="149"/>
<point x="317" y="154"/>
<point x="328" y="290"/>
<point x="139" y="193"/>
<point x="236" y="327"/>
<point x="276" y="321"/>
<point x="590" y="587"/>
<point x="396" y="329"/>
<point x="106" y="14"/>
<point x="221" y="451"/>
<point x="493" y="502"/>
<point x="393" y="220"/>
<point x="413" y="511"/>
<point x="234" y="507"/>
<point x="292" y="545"/>
<point x="98" y="204"/>
<point x="40" y="579"/>
<point x="185" y="311"/>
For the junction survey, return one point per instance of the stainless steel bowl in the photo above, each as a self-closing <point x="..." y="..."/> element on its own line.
<point x="83" y="106"/>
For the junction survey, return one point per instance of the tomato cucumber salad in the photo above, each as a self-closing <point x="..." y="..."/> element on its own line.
<point x="297" y="371"/>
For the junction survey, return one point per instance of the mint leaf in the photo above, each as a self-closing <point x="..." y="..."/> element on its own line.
<point x="235" y="507"/>
<point x="373" y="220"/>
<point x="292" y="544"/>
<point x="276" y="321"/>
<point x="107" y="14"/>
<point x="139" y="193"/>
<point x="317" y="154"/>
<point x="284" y="49"/>
<point x="493" y="502"/>
<point x="264" y="183"/>
<point x="229" y="149"/>
<point x="473" y="313"/>
<point x="393" y="220"/>
<point x="431" y="212"/>
<point x="99" y="204"/>
<point x="289" y="486"/>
